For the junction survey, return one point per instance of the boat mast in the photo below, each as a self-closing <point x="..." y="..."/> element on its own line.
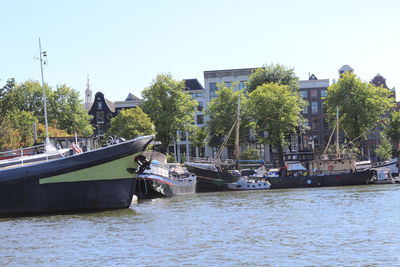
<point x="43" y="61"/>
<point x="237" y="148"/>
<point x="337" y="133"/>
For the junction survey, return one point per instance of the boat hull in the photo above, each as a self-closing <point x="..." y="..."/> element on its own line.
<point x="209" y="180"/>
<point x="96" y="180"/>
<point x="343" y="179"/>
<point x="152" y="186"/>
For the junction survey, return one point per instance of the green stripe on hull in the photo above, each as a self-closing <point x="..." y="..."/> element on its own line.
<point x="116" y="169"/>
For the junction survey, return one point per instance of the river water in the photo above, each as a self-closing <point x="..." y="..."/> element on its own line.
<point x="351" y="226"/>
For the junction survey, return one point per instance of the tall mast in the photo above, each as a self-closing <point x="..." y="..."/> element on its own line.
<point x="44" y="54"/>
<point x="237" y="148"/>
<point x="337" y="133"/>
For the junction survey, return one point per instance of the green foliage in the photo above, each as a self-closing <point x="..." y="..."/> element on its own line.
<point x="361" y="105"/>
<point x="199" y="136"/>
<point x="392" y="128"/>
<point x="274" y="73"/>
<point x="169" y="108"/>
<point x="250" y="154"/>
<point x="222" y="111"/>
<point x="22" y="122"/>
<point x="384" y="149"/>
<point x="22" y="104"/>
<point x="276" y="110"/>
<point x="131" y="123"/>
<point x="171" y="158"/>
<point x="66" y="109"/>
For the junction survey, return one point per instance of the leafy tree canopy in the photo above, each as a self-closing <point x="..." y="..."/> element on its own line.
<point x="131" y="123"/>
<point x="199" y="137"/>
<point x="169" y="107"/>
<point x="361" y="105"/>
<point x="384" y="149"/>
<point x="222" y="111"/>
<point x="273" y="73"/>
<point x="392" y="128"/>
<point x="276" y="110"/>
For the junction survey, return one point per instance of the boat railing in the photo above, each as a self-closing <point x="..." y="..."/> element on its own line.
<point x="211" y="161"/>
<point x="21" y="155"/>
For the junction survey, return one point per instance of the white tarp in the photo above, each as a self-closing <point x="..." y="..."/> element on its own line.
<point x="295" y="167"/>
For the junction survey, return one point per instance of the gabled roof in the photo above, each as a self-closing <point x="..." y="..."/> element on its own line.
<point x="110" y="105"/>
<point x="193" y="84"/>
<point x="379" y="80"/>
<point x="131" y="97"/>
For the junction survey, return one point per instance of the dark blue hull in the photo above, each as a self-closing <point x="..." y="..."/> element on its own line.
<point x="343" y="179"/>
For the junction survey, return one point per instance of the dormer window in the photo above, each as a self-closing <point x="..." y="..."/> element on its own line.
<point x="99" y="105"/>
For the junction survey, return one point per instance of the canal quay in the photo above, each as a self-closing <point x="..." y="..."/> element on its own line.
<point x="346" y="226"/>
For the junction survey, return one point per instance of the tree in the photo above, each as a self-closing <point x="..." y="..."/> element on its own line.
<point x="67" y="110"/>
<point x="199" y="138"/>
<point x="392" y="129"/>
<point x="276" y="110"/>
<point x="222" y="111"/>
<point x="250" y="154"/>
<point x="361" y="105"/>
<point x="274" y="73"/>
<point x="7" y="104"/>
<point x="384" y="149"/>
<point x="168" y="107"/>
<point x="131" y="123"/>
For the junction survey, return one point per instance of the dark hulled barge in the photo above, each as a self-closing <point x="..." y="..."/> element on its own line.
<point x="96" y="180"/>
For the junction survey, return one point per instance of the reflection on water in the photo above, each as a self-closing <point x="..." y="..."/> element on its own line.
<point x="357" y="225"/>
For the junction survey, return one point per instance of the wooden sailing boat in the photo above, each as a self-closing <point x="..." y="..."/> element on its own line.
<point x="214" y="174"/>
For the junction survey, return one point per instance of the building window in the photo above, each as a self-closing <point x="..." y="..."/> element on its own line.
<point x="100" y="116"/>
<point x="303" y="94"/>
<point x="313" y="93"/>
<point x="314" y="107"/>
<point x="323" y="93"/>
<point x="200" y="119"/>
<point x="213" y="90"/>
<point x="315" y="124"/>
<point x="100" y="129"/>
<point x="305" y="108"/>
<point x="200" y="106"/>
<point x="228" y="84"/>
<point x="99" y="105"/>
<point x="198" y="94"/>
<point x="326" y="124"/>
<point x="261" y="150"/>
<point x="306" y="123"/>
<point x="182" y="135"/>
<point x="241" y="85"/>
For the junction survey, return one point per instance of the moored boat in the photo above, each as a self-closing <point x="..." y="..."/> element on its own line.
<point x="249" y="183"/>
<point x="95" y="180"/>
<point x="213" y="176"/>
<point x="162" y="179"/>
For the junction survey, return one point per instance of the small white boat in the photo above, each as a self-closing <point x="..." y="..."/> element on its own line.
<point x="252" y="183"/>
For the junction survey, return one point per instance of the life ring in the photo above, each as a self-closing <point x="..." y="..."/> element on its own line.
<point x="76" y="149"/>
<point x="330" y="167"/>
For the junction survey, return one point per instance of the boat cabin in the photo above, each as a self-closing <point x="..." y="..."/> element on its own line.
<point x="332" y="166"/>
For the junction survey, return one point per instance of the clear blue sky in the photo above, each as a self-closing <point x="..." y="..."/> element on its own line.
<point x="123" y="45"/>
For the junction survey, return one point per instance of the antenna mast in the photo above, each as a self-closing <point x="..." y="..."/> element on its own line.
<point x="43" y="61"/>
<point x="337" y="133"/>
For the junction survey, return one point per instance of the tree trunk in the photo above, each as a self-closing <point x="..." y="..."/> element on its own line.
<point x="281" y="161"/>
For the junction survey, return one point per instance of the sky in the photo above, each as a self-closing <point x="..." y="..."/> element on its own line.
<point x="123" y="45"/>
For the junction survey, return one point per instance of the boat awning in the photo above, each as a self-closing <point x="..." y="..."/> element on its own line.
<point x="295" y="167"/>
